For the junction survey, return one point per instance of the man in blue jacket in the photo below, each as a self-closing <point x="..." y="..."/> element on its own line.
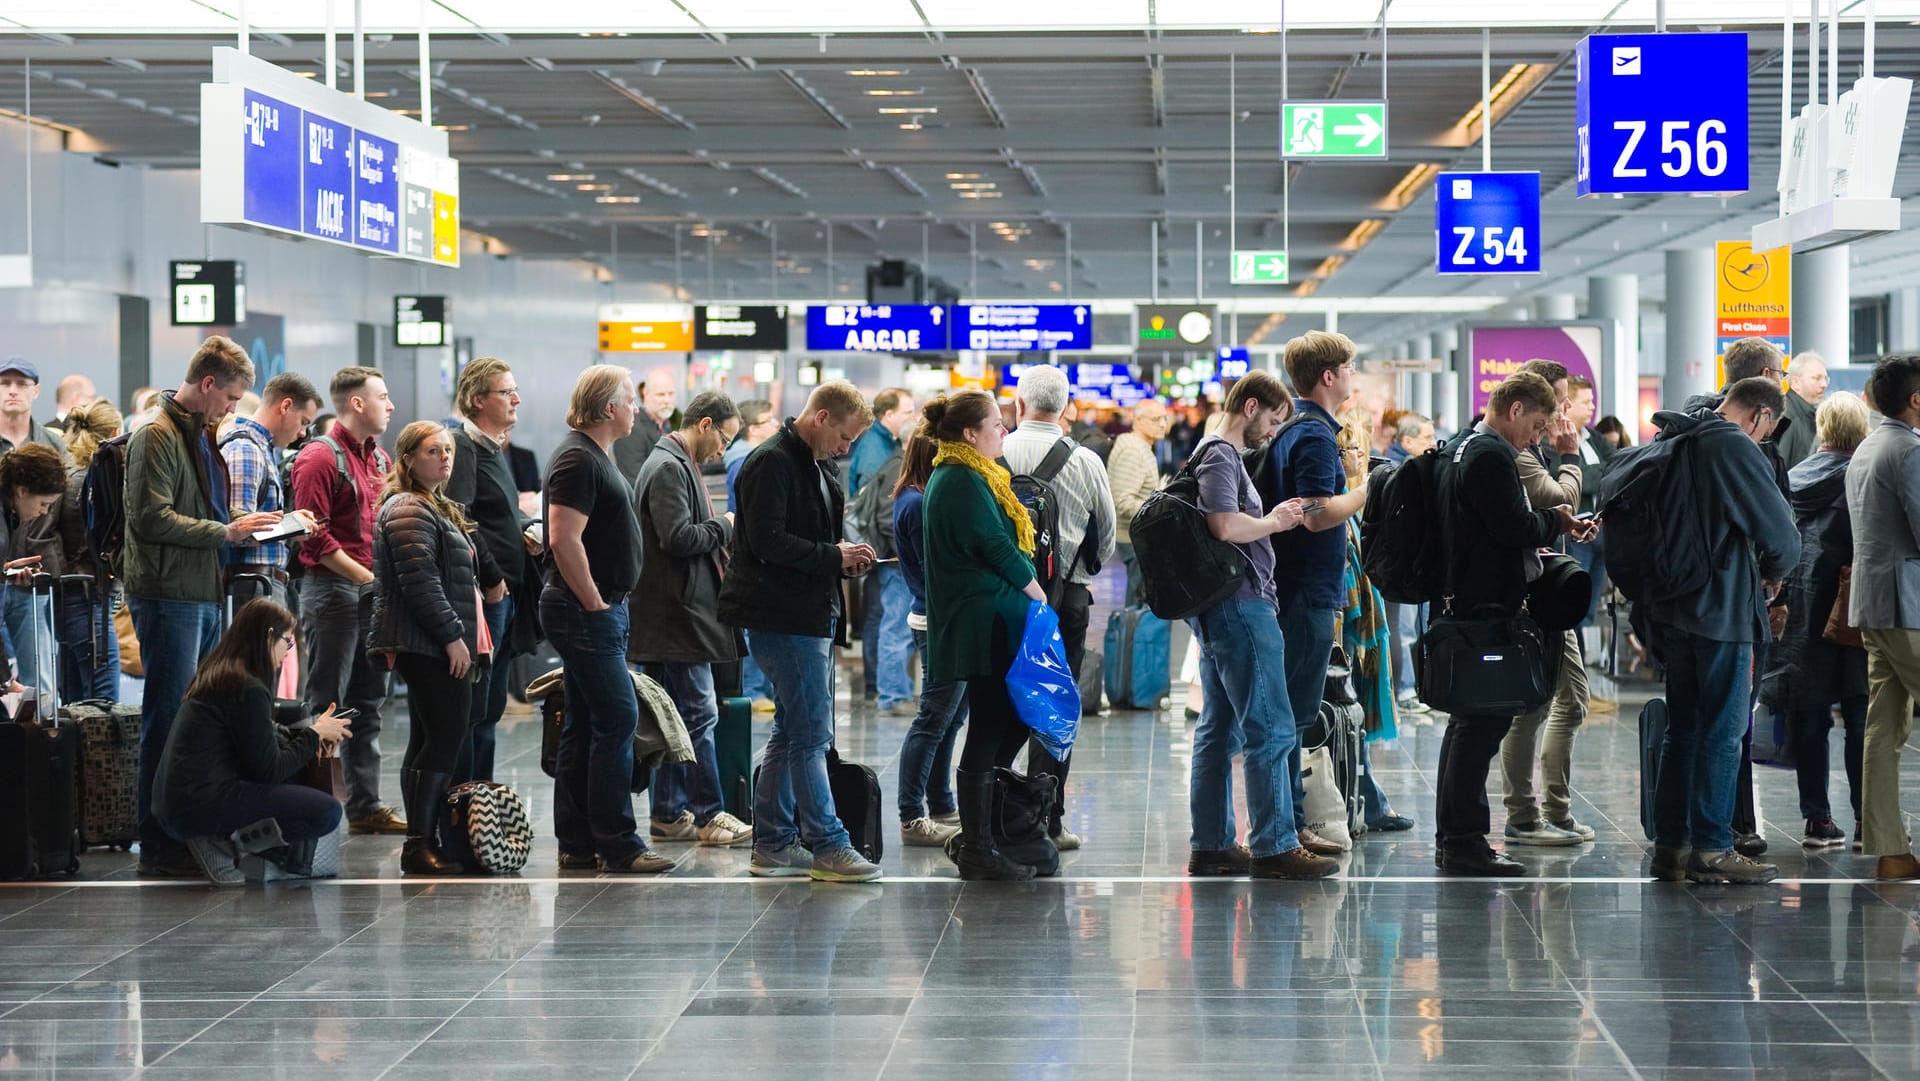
<point x="1708" y="638"/>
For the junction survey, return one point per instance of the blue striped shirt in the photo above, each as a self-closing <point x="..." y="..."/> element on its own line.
<point x="253" y="484"/>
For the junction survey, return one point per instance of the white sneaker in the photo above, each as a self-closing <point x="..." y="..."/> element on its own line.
<point x="1572" y="825"/>
<point x="843" y="864"/>
<point x="678" y="829"/>
<point x="724" y="831"/>
<point x="1066" y="840"/>
<point x="1541" y="833"/>
<point x="792" y="861"/>
<point x="1410" y="704"/>
<point x="947" y="818"/>
<point x="926" y="833"/>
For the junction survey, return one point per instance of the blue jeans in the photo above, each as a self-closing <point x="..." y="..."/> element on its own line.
<point x="1308" y="632"/>
<point x="489" y="699"/>
<point x="690" y="786"/>
<point x="304" y="814"/>
<point x="1709" y="698"/>
<point x="173" y="635"/>
<point x="896" y="638"/>
<point x="792" y="801"/>
<point x="26" y="663"/>
<point x="1243" y="672"/>
<point x="753" y="682"/>
<point x="89" y="652"/>
<point x="1406" y="622"/>
<point x="926" y="759"/>
<point x="593" y="792"/>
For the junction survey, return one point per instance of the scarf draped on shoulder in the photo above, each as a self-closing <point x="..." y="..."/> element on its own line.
<point x="999" y="481"/>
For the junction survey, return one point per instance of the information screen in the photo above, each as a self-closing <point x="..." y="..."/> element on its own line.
<point x="419" y="321"/>
<point x="207" y="292"/>
<point x="1011" y="328"/>
<point x="740" y="326"/>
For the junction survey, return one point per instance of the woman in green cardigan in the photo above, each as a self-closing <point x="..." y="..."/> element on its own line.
<point x="979" y="576"/>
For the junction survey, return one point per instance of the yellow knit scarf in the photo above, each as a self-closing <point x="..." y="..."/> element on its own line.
<point x="998" y="479"/>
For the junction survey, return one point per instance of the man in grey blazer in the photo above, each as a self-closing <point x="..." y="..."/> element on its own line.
<point x="1883" y="495"/>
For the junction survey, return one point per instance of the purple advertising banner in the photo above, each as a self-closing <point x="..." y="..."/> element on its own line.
<point x="1497" y="352"/>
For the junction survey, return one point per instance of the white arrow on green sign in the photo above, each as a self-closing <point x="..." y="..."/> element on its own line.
<point x="1333" y="129"/>
<point x="1259" y="267"/>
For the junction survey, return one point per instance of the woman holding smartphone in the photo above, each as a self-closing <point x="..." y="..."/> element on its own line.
<point x="33" y="477"/>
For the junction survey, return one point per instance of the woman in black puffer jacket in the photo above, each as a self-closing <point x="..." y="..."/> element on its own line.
<point x="425" y="620"/>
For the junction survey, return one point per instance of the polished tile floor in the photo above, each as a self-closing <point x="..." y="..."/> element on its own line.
<point x="1121" y="968"/>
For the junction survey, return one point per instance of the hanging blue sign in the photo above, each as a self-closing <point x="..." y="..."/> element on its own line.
<point x="376" y="192"/>
<point x="1009" y="328"/>
<point x="1487" y="223"/>
<point x="271" y="152"/>
<point x="326" y="178"/>
<point x="1661" y="113"/>
<point x="877" y="328"/>
<point x="1234" y="361"/>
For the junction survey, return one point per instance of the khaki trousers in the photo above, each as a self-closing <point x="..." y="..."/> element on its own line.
<point x="1560" y="718"/>
<point x="1893" y="682"/>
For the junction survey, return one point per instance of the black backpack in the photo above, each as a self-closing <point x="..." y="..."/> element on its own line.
<point x="1657" y="547"/>
<point x="1398" y="526"/>
<point x="1185" y="568"/>
<point x="1035" y="492"/>
<point x="103" y="496"/>
<point x="1259" y="460"/>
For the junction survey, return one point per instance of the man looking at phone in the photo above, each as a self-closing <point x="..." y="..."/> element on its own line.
<point x="1310" y="564"/>
<point x="252" y="451"/>
<point x="178" y="526"/>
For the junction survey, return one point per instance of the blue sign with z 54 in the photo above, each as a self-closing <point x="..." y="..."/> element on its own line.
<point x="1487" y="223"/>
<point x="1662" y="114"/>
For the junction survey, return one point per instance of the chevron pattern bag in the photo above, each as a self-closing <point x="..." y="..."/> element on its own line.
<point x="487" y="828"/>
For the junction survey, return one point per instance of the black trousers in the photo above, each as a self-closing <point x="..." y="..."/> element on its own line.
<point x="438" y="707"/>
<point x="1076" y="609"/>
<point x="1460" y="815"/>
<point x="994" y="731"/>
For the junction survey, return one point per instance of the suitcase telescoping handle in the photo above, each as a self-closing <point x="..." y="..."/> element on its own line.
<point x="256" y="585"/>
<point x="99" y="620"/>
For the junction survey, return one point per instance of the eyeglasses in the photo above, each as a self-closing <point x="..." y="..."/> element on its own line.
<point x="1777" y="373"/>
<point x="504" y="392"/>
<point x="288" y="640"/>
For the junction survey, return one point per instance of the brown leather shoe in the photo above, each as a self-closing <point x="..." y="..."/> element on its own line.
<point x="1294" y="863"/>
<point x="1897" y="868"/>
<point x="1319" y="845"/>
<point x="382" y="819"/>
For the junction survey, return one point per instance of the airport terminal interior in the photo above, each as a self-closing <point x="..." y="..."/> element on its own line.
<point x="756" y="198"/>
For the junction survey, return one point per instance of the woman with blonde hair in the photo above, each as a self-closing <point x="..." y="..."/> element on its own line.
<point x="426" y="622"/>
<point x="89" y="651"/>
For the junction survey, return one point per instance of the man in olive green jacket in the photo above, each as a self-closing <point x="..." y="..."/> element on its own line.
<point x="176" y="531"/>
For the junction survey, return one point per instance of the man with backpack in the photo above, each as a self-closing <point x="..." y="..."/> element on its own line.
<point x="176" y="527"/>
<point x="254" y="479"/>
<point x="337" y="479"/>
<point x="886" y="642"/>
<point x="1243" y="656"/>
<point x="1708" y="627"/>
<point x="1065" y="485"/>
<point x="1310" y="579"/>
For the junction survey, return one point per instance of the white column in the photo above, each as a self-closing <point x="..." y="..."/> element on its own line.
<point x="1555" y="307"/>
<point x="1517" y="312"/>
<point x="1446" y="386"/>
<point x="1690" y="326"/>
<point x="1903" y="320"/>
<point x="1423" y="382"/>
<point x="1617" y="297"/>
<point x="1822" y="313"/>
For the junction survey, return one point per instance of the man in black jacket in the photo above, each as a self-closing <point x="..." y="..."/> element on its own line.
<point x="1493" y="537"/>
<point x="483" y="483"/>
<point x="784" y="588"/>
<point x="676" y="632"/>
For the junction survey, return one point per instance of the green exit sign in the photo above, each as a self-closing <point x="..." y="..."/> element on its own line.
<point x="1259" y="267"/>
<point x="1333" y="129"/>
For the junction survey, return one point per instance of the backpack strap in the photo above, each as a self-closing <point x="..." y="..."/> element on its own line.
<point x="340" y="462"/>
<point x="1056" y="460"/>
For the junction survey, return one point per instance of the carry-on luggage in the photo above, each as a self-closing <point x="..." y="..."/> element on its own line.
<point x="856" y="799"/>
<point x="39" y="769"/>
<point x="1093" y="681"/>
<point x="1139" y="659"/>
<point x="109" y="771"/>
<point x="1653" y="732"/>
<point x="733" y="753"/>
<point x="488" y="831"/>
<point x="1339" y="731"/>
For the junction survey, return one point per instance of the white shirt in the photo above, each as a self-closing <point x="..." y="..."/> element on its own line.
<point x="1081" y="485"/>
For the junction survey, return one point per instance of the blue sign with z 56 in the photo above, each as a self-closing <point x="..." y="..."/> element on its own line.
<point x="1661" y="114"/>
<point x="1487" y="223"/>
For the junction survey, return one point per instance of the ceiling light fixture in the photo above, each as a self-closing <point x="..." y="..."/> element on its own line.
<point x="1362" y="233"/>
<point x="963" y="176"/>
<point x="569" y="177"/>
<point x="1410" y="186"/>
<point x="593" y="187"/>
<point x="1329" y="265"/>
<point x="1307" y="288"/>
<point x="881" y="93"/>
<point x="1504" y="94"/>
<point x="617" y="199"/>
<point x="909" y="110"/>
<point x="871" y="72"/>
<point x="453" y="127"/>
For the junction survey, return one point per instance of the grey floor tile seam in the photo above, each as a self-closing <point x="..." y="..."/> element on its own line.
<point x="745" y="933"/>
<point x="1347" y="931"/>
<point x="921" y="984"/>
<point x="478" y="992"/>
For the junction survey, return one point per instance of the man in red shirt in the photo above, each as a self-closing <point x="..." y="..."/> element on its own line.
<point x="337" y="479"/>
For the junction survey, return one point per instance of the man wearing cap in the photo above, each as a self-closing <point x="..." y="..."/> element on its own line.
<point x="19" y="388"/>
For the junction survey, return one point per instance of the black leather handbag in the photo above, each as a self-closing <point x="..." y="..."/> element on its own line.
<point x="1496" y="664"/>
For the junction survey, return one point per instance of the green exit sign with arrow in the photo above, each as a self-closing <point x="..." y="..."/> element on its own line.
<point x="1259" y="267"/>
<point x="1333" y="129"/>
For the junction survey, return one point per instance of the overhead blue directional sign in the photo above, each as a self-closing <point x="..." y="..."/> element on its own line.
<point x="1662" y="114"/>
<point x="877" y="328"/>
<point x="1487" y="223"/>
<point x="272" y="154"/>
<point x="1006" y="328"/>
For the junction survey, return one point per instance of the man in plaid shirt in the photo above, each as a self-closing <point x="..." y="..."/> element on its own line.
<point x="252" y="452"/>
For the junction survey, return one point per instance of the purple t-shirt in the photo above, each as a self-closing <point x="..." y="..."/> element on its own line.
<point x="1225" y="486"/>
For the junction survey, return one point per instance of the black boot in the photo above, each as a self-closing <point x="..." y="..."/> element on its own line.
<point x="1022" y="809"/>
<point x="977" y="856"/>
<point x="424" y="794"/>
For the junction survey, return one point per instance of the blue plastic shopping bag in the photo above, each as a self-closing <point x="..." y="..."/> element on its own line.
<point x="1042" y="687"/>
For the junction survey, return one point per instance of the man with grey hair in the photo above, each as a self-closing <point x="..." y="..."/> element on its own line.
<point x="1087" y="530"/>
<point x="1806" y="386"/>
<point x="69" y="394"/>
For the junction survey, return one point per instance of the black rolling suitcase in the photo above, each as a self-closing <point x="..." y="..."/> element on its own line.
<point x="1653" y="732"/>
<point x="40" y="771"/>
<point x="733" y="753"/>
<point x="856" y="796"/>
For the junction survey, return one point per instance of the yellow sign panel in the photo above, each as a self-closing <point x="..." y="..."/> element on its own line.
<point x="1753" y="298"/>
<point x="650" y="337"/>
<point x="446" y="228"/>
